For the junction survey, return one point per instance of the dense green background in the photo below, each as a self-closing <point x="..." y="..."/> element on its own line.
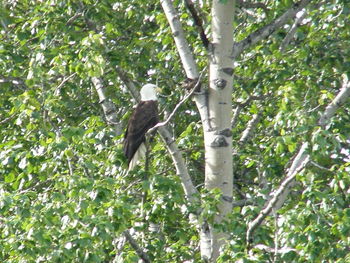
<point x="64" y="192"/>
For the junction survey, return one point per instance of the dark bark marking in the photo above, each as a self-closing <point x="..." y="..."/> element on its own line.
<point x="228" y="71"/>
<point x="219" y="141"/>
<point x="220" y="83"/>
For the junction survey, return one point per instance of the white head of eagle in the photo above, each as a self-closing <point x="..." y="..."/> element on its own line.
<point x="144" y="117"/>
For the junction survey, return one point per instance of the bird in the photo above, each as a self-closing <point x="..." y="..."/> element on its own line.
<point x="144" y="117"/>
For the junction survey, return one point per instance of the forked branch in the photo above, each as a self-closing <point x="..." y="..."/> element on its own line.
<point x="302" y="158"/>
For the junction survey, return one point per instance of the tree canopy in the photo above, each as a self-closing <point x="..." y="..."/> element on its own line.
<point x="69" y="76"/>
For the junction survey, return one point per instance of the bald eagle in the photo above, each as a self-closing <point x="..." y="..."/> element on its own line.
<point x="144" y="117"/>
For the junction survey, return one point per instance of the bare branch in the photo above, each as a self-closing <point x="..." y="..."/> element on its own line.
<point x="65" y="79"/>
<point x="129" y="83"/>
<point x="267" y="30"/>
<point x="108" y="106"/>
<point x="235" y="116"/>
<point x="139" y="251"/>
<point x="14" y="81"/>
<point x="198" y="22"/>
<point x="177" y="106"/>
<point x="241" y="105"/>
<point x="302" y="158"/>
<point x="73" y="18"/>
<point x="182" y="45"/>
<point x="338" y="101"/>
<point x="243" y="202"/>
<point x="298" y="164"/>
<point x="7" y="119"/>
<point x="268" y="249"/>
<point x="247" y="133"/>
<point x="187" y="59"/>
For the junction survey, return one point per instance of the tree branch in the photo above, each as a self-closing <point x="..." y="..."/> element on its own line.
<point x="129" y="83"/>
<point x="292" y="31"/>
<point x="108" y="106"/>
<point x="187" y="59"/>
<point x="298" y="164"/>
<point x="14" y="81"/>
<point x="267" y="30"/>
<point x="302" y="158"/>
<point x="139" y="251"/>
<point x="65" y="79"/>
<point x="247" y="133"/>
<point x="198" y="22"/>
<point x="182" y="45"/>
<point x="235" y="116"/>
<point x="171" y="115"/>
<point x="338" y="101"/>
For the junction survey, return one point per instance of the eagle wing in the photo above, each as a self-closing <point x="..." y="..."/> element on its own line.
<point x="144" y="117"/>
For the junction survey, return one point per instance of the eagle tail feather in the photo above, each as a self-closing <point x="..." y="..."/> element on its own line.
<point x="139" y="154"/>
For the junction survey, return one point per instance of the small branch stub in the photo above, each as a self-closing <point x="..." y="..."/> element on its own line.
<point x="219" y="141"/>
<point x="189" y="84"/>
<point x="220" y="83"/>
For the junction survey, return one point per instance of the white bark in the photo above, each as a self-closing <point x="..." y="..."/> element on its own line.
<point x="290" y="35"/>
<point x="218" y="139"/>
<point x="181" y="168"/>
<point x="187" y="58"/>
<point x="281" y="194"/>
<point x="183" y="48"/>
<point x="339" y="100"/>
<point x="299" y="162"/>
<point x="108" y="106"/>
<point x="251" y="126"/>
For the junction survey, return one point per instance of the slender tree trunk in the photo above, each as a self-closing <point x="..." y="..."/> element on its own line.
<point x="218" y="138"/>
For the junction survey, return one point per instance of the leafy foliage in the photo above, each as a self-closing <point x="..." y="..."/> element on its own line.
<point x="64" y="193"/>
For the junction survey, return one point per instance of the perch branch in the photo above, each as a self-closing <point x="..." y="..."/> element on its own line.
<point x="174" y="151"/>
<point x="171" y="115"/>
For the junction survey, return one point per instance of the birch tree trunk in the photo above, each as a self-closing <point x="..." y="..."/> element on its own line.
<point x="218" y="138"/>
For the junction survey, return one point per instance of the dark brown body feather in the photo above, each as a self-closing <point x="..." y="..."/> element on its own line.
<point x="144" y="117"/>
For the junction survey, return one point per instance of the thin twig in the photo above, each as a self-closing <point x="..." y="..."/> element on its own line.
<point x="7" y="119"/>
<point x="57" y="89"/>
<point x="177" y="106"/>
